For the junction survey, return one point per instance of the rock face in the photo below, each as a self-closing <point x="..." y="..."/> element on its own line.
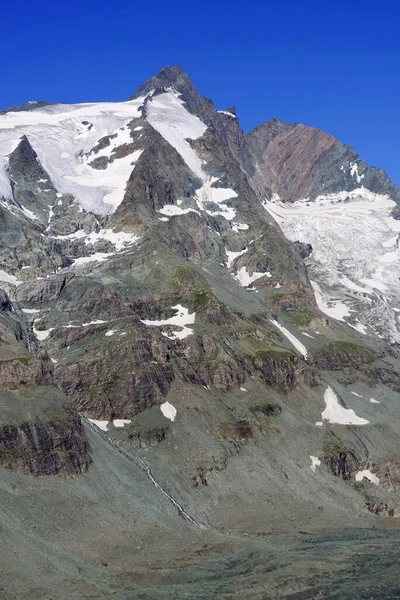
<point x="40" y="431"/>
<point x="300" y="162"/>
<point x="52" y="444"/>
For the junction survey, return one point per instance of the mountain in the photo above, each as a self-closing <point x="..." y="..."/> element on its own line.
<point x="199" y="354"/>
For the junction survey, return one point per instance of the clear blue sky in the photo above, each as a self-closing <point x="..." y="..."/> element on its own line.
<point x="333" y="64"/>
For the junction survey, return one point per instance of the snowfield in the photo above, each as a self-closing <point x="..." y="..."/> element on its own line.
<point x="62" y="135"/>
<point x="355" y="263"/>
<point x="65" y="139"/>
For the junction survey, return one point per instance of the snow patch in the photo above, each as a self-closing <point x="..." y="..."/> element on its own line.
<point x="9" y="278"/>
<point x="111" y="332"/>
<point x="226" y="112"/>
<point x="359" y="476"/>
<point x="100" y="424"/>
<point x="97" y="322"/>
<point x="354" y="171"/>
<point x="172" y="211"/>
<point x="292" y="339"/>
<point x="245" y="279"/>
<point x="168" y="411"/>
<point x="167" y="115"/>
<point x="236" y="227"/>
<point x="335" y="413"/>
<point x="315" y="462"/>
<point x="41" y="334"/>
<point x="307" y="335"/>
<point x="121" y="422"/>
<point x="373" y="401"/>
<point x="232" y="256"/>
<point x="181" y="319"/>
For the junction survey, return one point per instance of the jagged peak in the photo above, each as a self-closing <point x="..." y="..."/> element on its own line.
<point x="168" y="77"/>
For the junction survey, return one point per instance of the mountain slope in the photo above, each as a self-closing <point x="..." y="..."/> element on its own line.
<point x="143" y="264"/>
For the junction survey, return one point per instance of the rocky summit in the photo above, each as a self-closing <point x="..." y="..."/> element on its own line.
<point x="199" y="355"/>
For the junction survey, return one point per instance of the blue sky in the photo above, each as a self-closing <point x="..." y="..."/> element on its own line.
<point x="333" y="64"/>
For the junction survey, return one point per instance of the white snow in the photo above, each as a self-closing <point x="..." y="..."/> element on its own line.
<point x="333" y="307"/>
<point x="226" y="112"/>
<point x="9" y="278"/>
<point x="96" y="257"/>
<point x="292" y="339"/>
<point x="96" y="322"/>
<point x="112" y="180"/>
<point x="355" y="261"/>
<point x="335" y="413"/>
<point x="163" y="219"/>
<point x="100" y="424"/>
<point x="121" y="422"/>
<point x="51" y="215"/>
<point x="373" y="401"/>
<point x="236" y="227"/>
<point x="359" y="476"/>
<point x="61" y="141"/>
<point x="167" y="115"/>
<point x="354" y="171"/>
<point x="278" y="285"/>
<point x="208" y="195"/>
<point x="355" y="394"/>
<point x="54" y="361"/>
<point x="181" y="319"/>
<point x="111" y="332"/>
<point x="41" y="334"/>
<point x="243" y="389"/>
<point x="172" y="210"/>
<point x="358" y="327"/>
<point x="30" y="311"/>
<point x="168" y="411"/>
<point x="245" y="279"/>
<point x="232" y="256"/>
<point x="315" y="462"/>
<point x="307" y="335"/>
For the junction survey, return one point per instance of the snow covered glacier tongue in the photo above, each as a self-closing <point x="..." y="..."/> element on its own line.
<point x="354" y="266"/>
